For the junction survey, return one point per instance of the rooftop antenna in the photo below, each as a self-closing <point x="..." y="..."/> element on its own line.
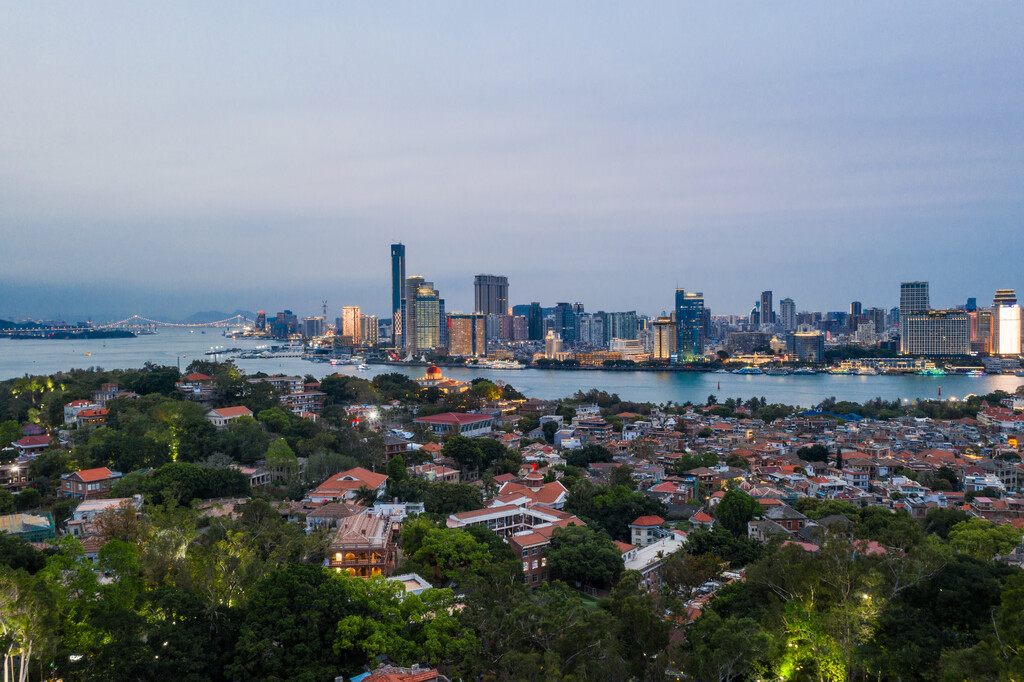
<point x="325" y="308"/>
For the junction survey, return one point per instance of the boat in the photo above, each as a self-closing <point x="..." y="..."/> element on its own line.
<point x="866" y="371"/>
<point x="933" y="372"/>
<point x="363" y="367"/>
<point x="804" y="371"/>
<point x="976" y="373"/>
<point x="336" y="362"/>
<point x="777" y="372"/>
<point x="497" y="364"/>
<point x="748" y="370"/>
<point x="839" y="371"/>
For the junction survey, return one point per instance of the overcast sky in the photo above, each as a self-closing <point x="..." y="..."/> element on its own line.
<point x="164" y="158"/>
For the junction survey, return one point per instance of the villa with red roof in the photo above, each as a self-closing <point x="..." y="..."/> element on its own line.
<point x="702" y="520"/>
<point x="222" y="415"/>
<point x="647" y="530"/>
<point x="72" y="409"/>
<point x="469" y="425"/>
<point x="343" y="486"/>
<point x="89" y="483"/>
<point x="32" y="445"/>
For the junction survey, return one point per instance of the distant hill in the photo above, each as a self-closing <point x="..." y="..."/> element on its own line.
<point x="215" y="315"/>
<point x="7" y="324"/>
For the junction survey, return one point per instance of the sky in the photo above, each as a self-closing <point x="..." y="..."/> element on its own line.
<point x="167" y="158"/>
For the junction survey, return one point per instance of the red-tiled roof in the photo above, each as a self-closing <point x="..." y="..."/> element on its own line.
<point x="238" y="411"/>
<point x="91" y="475"/>
<point x="352" y="479"/>
<point x="32" y="441"/>
<point x="196" y="376"/>
<point x="648" y="521"/>
<point x="701" y="517"/>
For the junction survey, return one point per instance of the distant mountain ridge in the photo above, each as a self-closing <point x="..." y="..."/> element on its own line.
<point x="215" y="315"/>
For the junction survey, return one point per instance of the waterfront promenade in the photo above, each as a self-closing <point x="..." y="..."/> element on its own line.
<point x="182" y="346"/>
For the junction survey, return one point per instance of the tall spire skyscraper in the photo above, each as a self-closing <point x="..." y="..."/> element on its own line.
<point x="397" y="293"/>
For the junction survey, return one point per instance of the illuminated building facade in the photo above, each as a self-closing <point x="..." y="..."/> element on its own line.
<point x="664" y="338"/>
<point x="350" y="325"/>
<point x="490" y="294"/>
<point x="1006" y="320"/>
<point x="913" y="300"/>
<point x="397" y="293"/>
<point x="466" y="335"/>
<point x="936" y="333"/>
<point x="689" y="322"/>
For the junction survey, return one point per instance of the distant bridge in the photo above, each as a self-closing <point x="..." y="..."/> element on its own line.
<point x="139" y="321"/>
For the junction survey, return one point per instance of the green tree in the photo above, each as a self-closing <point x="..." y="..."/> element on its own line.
<point x="281" y="460"/>
<point x="587" y="455"/>
<point x="722" y="649"/>
<point x="581" y="554"/>
<point x="623" y="476"/>
<point x="735" y="510"/>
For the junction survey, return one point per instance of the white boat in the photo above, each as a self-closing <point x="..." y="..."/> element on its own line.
<point x="865" y="371"/>
<point x="497" y="364"/>
<point x="363" y="367"/>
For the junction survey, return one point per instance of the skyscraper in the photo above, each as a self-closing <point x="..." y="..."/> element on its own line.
<point x="938" y="333"/>
<point x="664" y="338"/>
<point x="787" y="314"/>
<point x="423" y="316"/>
<point x="368" y="329"/>
<point x="350" y="325"/>
<point x="408" y="313"/>
<point x="466" y="334"/>
<point x="767" y="315"/>
<point x="565" y="322"/>
<point x="490" y="294"/>
<point x="855" y="308"/>
<point x="1006" y="323"/>
<point x="535" y="322"/>
<point x="689" y="316"/>
<point x="397" y="292"/>
<point x="913" y="299"/>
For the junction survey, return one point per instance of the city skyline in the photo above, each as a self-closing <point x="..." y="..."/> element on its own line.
<point x="820" y="153"/>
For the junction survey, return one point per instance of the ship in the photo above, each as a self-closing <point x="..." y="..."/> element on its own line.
<point x="497" y="364"/>
<point x="804" y="371"/>
<point x="748" y="370"/>
<point x="777" y="372"/>
<point x="866" y="371"/>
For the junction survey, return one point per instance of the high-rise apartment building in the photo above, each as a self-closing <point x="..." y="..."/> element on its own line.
<point x="689" y="319"/>
<point x="767" y="316"/>
<point x="467" y="335"/>
<point x="312" y="326"/>
<point x="877" y="317"/>
<point x="398" y="292"/>
<point x="408" y="313"/>
<point x="664" y="338"/>
<point x="422" y="318"/>
<point x="1006" y="320"/>
<point x="913" y="300"/>
<point x="936" y="333"/>
<point x="261" y="321"/>
<point x="368" y="329"/>
<point x="565" y="322"/>
<point x="855" y="309"/>
<point x="787" y="314"/>
<point x="490" y="294"/>
<point x="622" y="325"/>
<point x="535" y="322"/>
<point x="350" y="324"/>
